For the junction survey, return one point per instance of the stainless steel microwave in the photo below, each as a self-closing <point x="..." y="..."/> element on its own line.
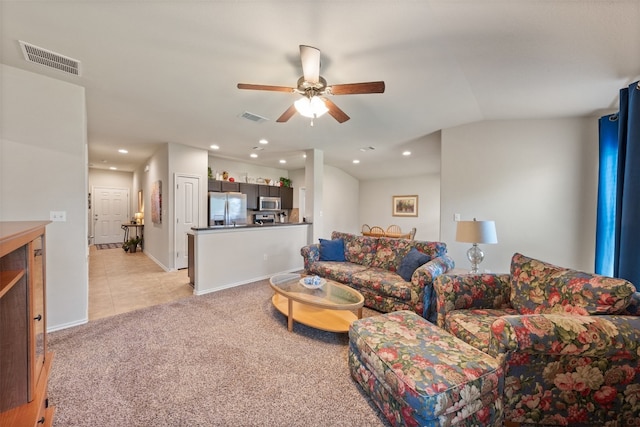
<point x="268" y="203"/>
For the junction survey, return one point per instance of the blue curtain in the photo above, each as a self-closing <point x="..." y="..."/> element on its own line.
<point x="607" y="188"/>
<point x="624" y="235"/>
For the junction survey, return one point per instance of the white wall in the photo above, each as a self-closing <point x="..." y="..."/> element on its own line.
<point x="167" y="161"/>
<point x="43" y="168"/>
<point x="376" y="197"/>
<point x="236" y="169"/>
<point x="536" y="178"/>
<point x="339" y="203"/>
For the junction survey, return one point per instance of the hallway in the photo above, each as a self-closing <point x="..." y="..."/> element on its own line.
<point x="120" y="281"/>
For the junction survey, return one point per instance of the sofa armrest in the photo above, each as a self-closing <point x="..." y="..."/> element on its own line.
<point x="633" y="309"/>
<point x="422" y="281"/>
<point x="458" y="292"/>
<point x="310" y="254"/>
<point x="564" y="334"/>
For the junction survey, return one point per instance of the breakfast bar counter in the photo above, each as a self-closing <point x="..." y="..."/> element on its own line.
<point x="228" y="256"/>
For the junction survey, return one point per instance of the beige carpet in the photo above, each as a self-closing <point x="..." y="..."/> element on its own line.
<point x="222" y="359"/>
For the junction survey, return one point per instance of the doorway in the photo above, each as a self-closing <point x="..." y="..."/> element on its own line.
<point x="110" y="210"/>
<point x="187" y="208"/>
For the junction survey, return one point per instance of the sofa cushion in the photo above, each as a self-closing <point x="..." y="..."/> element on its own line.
<point x="339" y="271"/>
<point x="540" y="287"/>
<point x="411" y="261"/>
<point x="473" y="326"/>
<point x="332" y="250"/>
<point x="358" y="249"/>
<point x="384" y="282"/>
<point x="390" y="252"/>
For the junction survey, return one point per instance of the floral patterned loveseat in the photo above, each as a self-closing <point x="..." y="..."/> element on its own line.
<point x="371" y="266"/>
<point x="568" y="341"/>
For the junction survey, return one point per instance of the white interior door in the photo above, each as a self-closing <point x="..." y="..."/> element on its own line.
<point x="110" y="210"/>
<point x="187" y="214"/>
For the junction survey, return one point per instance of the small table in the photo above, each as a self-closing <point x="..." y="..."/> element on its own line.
<point x="127" y="227"/>
<point x="327" y="308"/>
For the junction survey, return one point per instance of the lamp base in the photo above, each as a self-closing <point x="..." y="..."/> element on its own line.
<point x="475" y="256"/>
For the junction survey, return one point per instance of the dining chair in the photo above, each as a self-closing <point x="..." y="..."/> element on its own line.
<point x="412" y="233"/>
<point x="377" y="231"/>
<point x="394" y="229"/>
<point x="365" y="228"/>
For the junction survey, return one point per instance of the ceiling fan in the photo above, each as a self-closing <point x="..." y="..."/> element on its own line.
<point x="314" y="88"/>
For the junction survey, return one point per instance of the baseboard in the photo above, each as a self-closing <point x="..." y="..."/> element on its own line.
<point x="67" y="325"/>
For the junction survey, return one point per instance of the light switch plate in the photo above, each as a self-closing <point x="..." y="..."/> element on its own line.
<point x="58" y="216"/>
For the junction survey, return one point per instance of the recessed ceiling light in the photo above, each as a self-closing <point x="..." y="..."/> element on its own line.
<point x="263" y="141"/>
<point x="253" y="155"/>
<point x="113" y="168"/>
<point x="122" y="151"/>
<point x="304" y="156"/>
<point x="356" y="161"/>
<point x="283" y="161"/>
<point x="406" y="153"/>
<point x="214" y="147"/>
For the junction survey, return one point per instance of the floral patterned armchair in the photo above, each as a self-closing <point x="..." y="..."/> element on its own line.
<point x="569" y="341"/>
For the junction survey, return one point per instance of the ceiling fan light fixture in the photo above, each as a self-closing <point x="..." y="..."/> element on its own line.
<point x="312" y="107"/>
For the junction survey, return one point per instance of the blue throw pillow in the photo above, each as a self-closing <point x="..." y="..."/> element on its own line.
<point x="332" y="250"/>
<point x="410" y="262"/>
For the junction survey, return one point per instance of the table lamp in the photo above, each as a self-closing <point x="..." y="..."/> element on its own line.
<point x="139" y="216"/>
<point x="476" y="232"/>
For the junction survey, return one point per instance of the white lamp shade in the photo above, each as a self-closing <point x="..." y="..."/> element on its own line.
<point x="476" y="232"/>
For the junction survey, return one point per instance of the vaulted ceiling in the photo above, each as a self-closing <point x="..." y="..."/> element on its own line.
<point x="167" y="71"/>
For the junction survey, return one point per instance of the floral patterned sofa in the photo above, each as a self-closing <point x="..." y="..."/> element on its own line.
<point x="568" y="341"/>
<point x="371" y="266"/>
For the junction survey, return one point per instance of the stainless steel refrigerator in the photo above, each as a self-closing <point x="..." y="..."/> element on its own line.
<point x="227" y="209"/>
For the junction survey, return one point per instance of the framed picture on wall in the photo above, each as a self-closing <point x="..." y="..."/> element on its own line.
<point x="405" y="206"/>
<point x="156" y="202"/>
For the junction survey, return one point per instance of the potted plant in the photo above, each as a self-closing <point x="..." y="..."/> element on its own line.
<point x="285" y="182"/>
<point x="132" y="244"/>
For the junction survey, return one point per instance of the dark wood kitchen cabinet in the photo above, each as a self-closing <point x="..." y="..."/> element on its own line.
<point x="251" y="190"/>
<point x="274" y="191"/>
<point x="286" y="198"/>
<point x="215" y="186"/>
<point x="223" y="186"/>
<point x="24" y="360"/>
<point x="230" y="186"/>
<point x="263" y="190"/>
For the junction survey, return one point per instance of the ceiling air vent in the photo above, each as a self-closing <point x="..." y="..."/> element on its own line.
<point x="253" y="117"/>
<point x="50" y="59"/>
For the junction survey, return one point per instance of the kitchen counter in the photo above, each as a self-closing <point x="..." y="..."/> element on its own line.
<point x="240" y="226"/>
<point x="228" y="256"/>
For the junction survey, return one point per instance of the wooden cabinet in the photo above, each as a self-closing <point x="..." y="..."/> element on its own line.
<point x="286" y="197"/>
<point x="274" y="191"/>
<point x="254" y="191"/>
<point x="223" y="186"/>
<point x="215" y="186"/>
<point x="263" y="190"/>
<point x="24" y="360"/>
<point x="229" y="186"/>
<point x="251" y="190"/>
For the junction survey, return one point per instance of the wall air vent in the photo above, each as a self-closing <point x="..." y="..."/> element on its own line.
<point x="253" y="117"/>
<point x="50" y="59"/>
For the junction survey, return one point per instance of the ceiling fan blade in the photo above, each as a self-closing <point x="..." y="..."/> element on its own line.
<point x="266" y="87"/>
<point x="287" y="114"/>
<point x="310" y="58"/>
<point x="357" y="88"/>
<point x="335" y="111"/>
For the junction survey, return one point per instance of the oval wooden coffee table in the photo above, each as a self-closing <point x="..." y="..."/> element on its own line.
<point x="328" y="308"/>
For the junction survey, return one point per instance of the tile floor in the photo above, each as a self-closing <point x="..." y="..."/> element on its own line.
<point x="121" y="282"/>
